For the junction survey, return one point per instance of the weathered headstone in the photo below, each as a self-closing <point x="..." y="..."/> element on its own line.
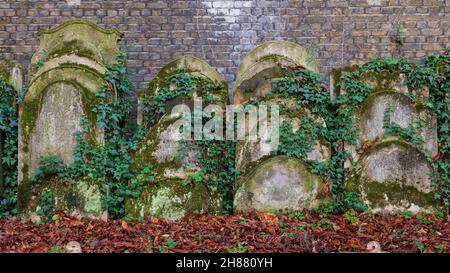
<point x="389" y="172"/>
<point x="162" y="148"/>
<point x="65" y="73"/>
<point x="267" y="181"/>
<point x="279" y="183"/>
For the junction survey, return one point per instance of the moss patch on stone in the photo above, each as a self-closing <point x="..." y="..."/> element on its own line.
<point x="389" y="195"/>
<point x="173" y="200"/>
<point x="394" y="193"/>
<point x="81" y="36"/>
<point x="82" y="198"/>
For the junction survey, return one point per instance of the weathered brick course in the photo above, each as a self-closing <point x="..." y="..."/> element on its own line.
<point x="222" y="32"/>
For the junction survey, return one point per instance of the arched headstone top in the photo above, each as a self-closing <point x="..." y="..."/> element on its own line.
<point x="64" y="24"/>
<point x="86" y="78"/>
<point x="207" y="81"/>
<point x="84" y="83"/>
<point x="195" y="65"/>
<point x="81" y="37"/>
<point x="263" y="63"/>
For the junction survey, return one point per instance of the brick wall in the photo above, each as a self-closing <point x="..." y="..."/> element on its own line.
<point x="222" y="32"/>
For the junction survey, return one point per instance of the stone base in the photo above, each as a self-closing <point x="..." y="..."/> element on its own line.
<point x="82" y="199"/>
<point x="173" y="200"/>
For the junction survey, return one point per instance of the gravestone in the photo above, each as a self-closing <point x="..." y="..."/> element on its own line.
<point x="162" y="148"/>
<point x="388" y="172"/>
<point x="279" y="183"/>
<point x="266" y="180"/>
<point x="65" y="73"/>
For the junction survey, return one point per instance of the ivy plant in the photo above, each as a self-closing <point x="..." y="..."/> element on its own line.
<point x="8" y="149"/>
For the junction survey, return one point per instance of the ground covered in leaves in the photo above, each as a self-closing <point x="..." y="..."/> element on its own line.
<point x="255" y="232"/>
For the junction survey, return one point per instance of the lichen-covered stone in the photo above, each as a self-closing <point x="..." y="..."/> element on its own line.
<point x="404" y="113"/>
<point x="171" y="158"/>
<point x="280" y="183"/>
<point x="255" y="75"/>
<point x="173" y="200"/>
<point x="393" y="176"/>
<point x="59" y="118"/>
<point x="161" y="149"/>
<point x="388" y="173"/>
<point x="78" y="37"/>
<point x="197" y="67"/>
<point x="249" y="151"/>
<point x="65" y="74"/>
<point x="82" y="199"/>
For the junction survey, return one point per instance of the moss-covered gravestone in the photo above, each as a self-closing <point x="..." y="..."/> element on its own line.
<point x="392" y="171"/>
<point x="268" y="180"/>
<point x="65" y="73"/>
<point x="178" y="187"/>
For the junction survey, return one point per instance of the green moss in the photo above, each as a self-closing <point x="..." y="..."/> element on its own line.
<point x="396" y="193"/>
<point x="6" y="66"/>
<point x="383" y="144"/>
<point x="311" y="186"/>
<point x="4" y="75"/>
<point x="374" y="193"/>
<point x="273" y="51"/>
<point x="89" y="195"/>
<point x="79" y="22"/>
<point x="174" y="200"/>
<point x="273" y="58"/>
<point x="82" y="36"/>
<point x="168" y="70"/>
<point x="75" y="47"/>
<point x="83" y="197"/>
<point x="383" y="80"/>
<point x="145" y="149"/>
